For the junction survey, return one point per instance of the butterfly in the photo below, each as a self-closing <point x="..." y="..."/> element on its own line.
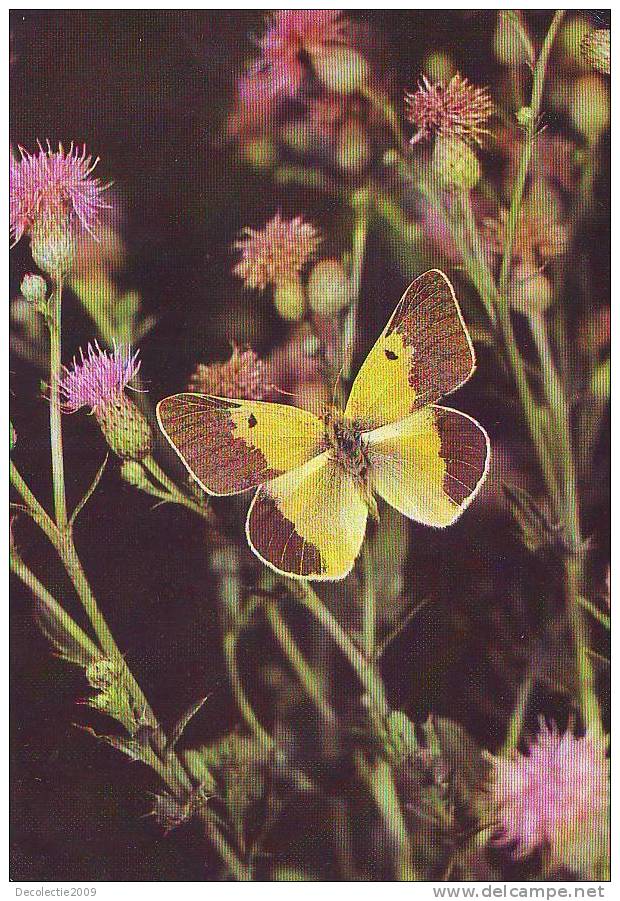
<point x="317" y="477"/>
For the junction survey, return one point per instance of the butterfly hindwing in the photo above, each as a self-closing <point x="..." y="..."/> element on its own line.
<point x="424" y="353"/>
<point x="232" y="445"/>
<point x="310" y="522"/>
<point x="430" y="465"/>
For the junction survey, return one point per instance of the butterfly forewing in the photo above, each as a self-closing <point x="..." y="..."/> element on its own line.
<point x="424" y="353"/>
<point x="430" y="465"/>
<point x="232" y="445"/>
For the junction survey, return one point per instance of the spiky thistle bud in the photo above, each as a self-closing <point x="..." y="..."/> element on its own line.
<point x="458" y="109"/>
<point x="98" y="380"/>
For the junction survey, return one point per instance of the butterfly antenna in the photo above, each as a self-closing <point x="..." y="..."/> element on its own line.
<point x="282" y="391"/>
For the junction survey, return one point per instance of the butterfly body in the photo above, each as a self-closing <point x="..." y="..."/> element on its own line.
<point x="317" y="479"/>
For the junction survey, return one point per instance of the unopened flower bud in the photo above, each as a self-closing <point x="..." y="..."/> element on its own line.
<point x="589" y="107"/>
<point x="438" y="67"/>
<point x="340" y="69"/>
<point x="455" y="163"/>
<point x="329" y="288"/>
<point x="525" y="116"/>
<point x="530" y="290"/>
<point x="125" y="428"/>
<point x="570" y="38"/>
<point x="34" y="290"/>
<point x="290" y="301"/>
<point x="596" y="49"/>
<point x="260" y="153"/>
<point x="53" y="248"/>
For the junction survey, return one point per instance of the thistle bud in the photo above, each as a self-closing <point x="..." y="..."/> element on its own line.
<point x="53" y="248"/>
<point x="438" y="67"/>
<point x="530" y="290"/>
<point x="596" y="49"/>
<point x="34" y="290"/>
<point x="260" y="153"/>
<point x="290" y="301"/>
<point x="125" y="428"/>
<point x="589" y="107"/>
<point x="455" y="163"/>
<point x="341" y="69"/>
<point x="329" y="288"/>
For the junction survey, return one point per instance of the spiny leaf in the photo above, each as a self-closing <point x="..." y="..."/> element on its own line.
<point x="179" y="729"/>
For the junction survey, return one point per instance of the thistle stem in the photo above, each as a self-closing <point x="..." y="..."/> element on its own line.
<point x="58" y="469"/>
<point x="360" y="203"/>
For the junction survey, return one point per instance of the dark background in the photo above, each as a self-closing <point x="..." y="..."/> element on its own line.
<point x="147" y="92"/>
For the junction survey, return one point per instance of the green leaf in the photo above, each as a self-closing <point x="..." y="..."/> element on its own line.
<point x="134" y="748"/>
<point x="461" y="762"/>
<point x="179" y="729"/>
<point x="538" y="529"/>
<point x="90" y="491"/>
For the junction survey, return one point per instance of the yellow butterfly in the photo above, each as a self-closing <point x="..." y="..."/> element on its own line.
<point x="317" y="478"/>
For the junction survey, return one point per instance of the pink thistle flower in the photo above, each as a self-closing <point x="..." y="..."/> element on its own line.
<point x="98" y="380"/>
<point x="290" y="34"/>
<point x="277" y="253"/>
<point x="554" y="798"/>
<point x="458" y="110"/>
<point x="52" y="189"/>
<point x="243" y="375"/>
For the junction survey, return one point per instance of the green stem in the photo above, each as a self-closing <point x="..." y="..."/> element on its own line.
<point x="588" y="701"/>
<point x="515" y="726"/>
<point x="245" y="708"/>
<point x="307" y="677"/>
<point x="502" y="307"/>
<point x="58" y="469"/>
<point x="379" y="780"/>
<point x="369" y="613"/>
<point x="538" y="83"/>
<point x="171" y="491"/>
<point x="365" y="670"/>
<point x="360" y="203"/>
